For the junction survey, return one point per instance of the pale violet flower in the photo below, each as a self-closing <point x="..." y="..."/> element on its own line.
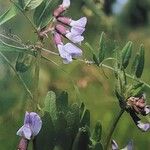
<point x="79" y="23"/>
<point x="61" y="8"/>
<point x="32" y="126"/>
<point x="74" y="35"/>
<point x="66" y="3"/>
<point x="68" y="52"/>
<point x="116" y="147"/>
<point x="70" y="29"/>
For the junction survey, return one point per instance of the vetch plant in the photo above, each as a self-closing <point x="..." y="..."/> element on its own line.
<point x="49" y="125"/>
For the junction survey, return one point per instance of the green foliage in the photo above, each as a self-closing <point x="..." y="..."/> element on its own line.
<point x="63" y="123"/>
<point x="23" y="62"/>
<point x="81" y="140"/>
<point x="96" y="136"/>
<point x="29" y="4"/>
<point x="99" y="56"/>
<point x="9" y="14"/>
<point x="102" y="50"/>
<point x="10" y="48"/>
<point x="138" y="63"/>
<point x="126" y="54"/>
<point x="43" y="13"/>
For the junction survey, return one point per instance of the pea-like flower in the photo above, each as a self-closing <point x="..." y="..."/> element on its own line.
<point x="116" y="147"/>
<point x="69" y="29"/>
<point x="67" y="51"/>
<point x="32" y="126"/>
<point x="137" y="105"/>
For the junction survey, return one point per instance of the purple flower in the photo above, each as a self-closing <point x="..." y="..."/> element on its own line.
<point x="73" y="23"/>
<point x="69" y="51"/>
<point x="58" y="11"/>
<point x="74" y="35"/>
<point x="116" y="147"/>
<point x="137" y="105"/>
<point x="70" y="29"/>
<point x="66" y="3"/>
<point x="32" y="126"/>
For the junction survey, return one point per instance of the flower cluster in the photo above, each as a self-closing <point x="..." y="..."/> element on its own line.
<point x="137" y="105"/>
<point x="116" y="147"/>
<point x="69" y="29"/>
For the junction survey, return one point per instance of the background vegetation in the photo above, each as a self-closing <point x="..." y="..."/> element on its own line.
<point x="83" y="82"/>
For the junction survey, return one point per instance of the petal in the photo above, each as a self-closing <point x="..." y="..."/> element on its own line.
<point x="36" y="123"/>
<point x="79" y="23"/>
<point x="147" y="109"/>
<point x="77" y="30"/>
<point x="129" y="146"/>
<point x="143" y="126"/>
<point x="27" y="118"/>
<point x="114" y="145"/>
<point x="74" y="38"/>
<point x="66" y="3"/>
<point x="67" y="58"/>
<point x="25" y="132"/>
<point x="73" y="50"/>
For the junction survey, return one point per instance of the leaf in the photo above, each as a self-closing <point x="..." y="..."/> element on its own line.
<point x="140" y="65"/>
<point x="10" y="48"/>
<point x="101" y="48"/>
<point x="23" y="62"/>
<point x="98" y="146"/>
<point x="50" y="105"/>
<point x="9" y="14"/>
<point x="85" y="119"/>
<point x="29" y="4"/>
<point x="62" y="102"/>
<point x="46" y="138"/>
<point x="135" y="64"/>
<point x="82" y="108"/>
<point x="126" y="54"/>
<point x="81" y="140"/>
<point x="44" y="12"/>
<point x="96" y="136"/>
<point x="95" y="59"/>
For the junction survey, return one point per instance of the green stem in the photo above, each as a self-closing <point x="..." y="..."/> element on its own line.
<point x="18" y="76"/>
<point x="114" y="124"/>
<point x="113" y="69"/>
<point x="36" y="80"/>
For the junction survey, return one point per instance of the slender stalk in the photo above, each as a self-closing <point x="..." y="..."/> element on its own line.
<point x="50" y="52"/>
<point x="114" y="124"/>
<point x="36" y="79"/>
<point x="113" y="69"/>
<point x="18" y="76"/>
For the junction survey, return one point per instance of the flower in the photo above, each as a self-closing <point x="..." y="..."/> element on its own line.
<point x="73" y="23"/>
<point x="67" y="51"/>
<point x="68" y="28"/>
<point x="61" y="8"/>
<point x="137" y="105"/>
<point x="116" y="147"/>
<point x="74" y="35"/>
<point x="32" y="126"/>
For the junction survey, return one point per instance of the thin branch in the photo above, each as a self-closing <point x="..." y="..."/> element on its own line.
<point x="113" y="69"/>
<point x="111" y="131"/>
<point x="50" y="52"/>
<point x="18" y="76"/>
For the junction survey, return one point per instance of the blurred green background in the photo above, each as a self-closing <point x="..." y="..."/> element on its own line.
<point x="121" y="20"/>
